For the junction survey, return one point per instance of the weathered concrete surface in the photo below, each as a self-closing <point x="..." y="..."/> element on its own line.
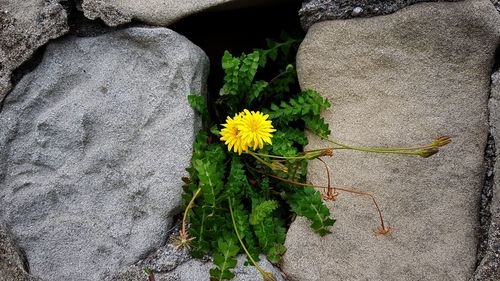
<point x="94" y="144"/>
<point x="24" y="27"/>
<point x="400" y="80"/>
<point x="489" y="267"/>
<point x="157" y="12"/>
<point x="314" y="11"/>
<point x="12" y="261"/>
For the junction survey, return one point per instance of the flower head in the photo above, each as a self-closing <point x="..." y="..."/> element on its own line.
<point x="230" y="134"/>
<point x="255" y="129"/>
<point x="247" y="129"/>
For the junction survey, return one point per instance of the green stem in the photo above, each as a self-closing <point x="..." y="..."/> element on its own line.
<point x="393" y="150"/>
<point x="255" y="155"/>
<point x="241" y="242"/>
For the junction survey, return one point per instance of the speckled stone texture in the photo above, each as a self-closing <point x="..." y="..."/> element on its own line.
<point x="398" y="80"/>
<point x="94" y="144"/>
<point x="12" y="261"/>
<point x="314" y="11"/>
<point x="197" y="270"/>
<point x="24" y="27"/>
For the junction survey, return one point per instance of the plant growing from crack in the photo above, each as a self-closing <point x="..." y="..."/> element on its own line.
<point x="248" y="176"/>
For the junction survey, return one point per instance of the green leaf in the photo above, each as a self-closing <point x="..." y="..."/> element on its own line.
<point x="307" y="203"/>
<point x="198" y="103"/>
<point x="210" y="182"/>
<point x="286" y="141"/>
<point x="306" y="103"/>
<point x="227" y="249"/>
<point x="317" y="125"/>
<point x="231" y="66"/>
<point x="262" y="210"/>
<point x="237" y="181"/>
<point x="256" y="90"/>
<point x="248" y="69"/>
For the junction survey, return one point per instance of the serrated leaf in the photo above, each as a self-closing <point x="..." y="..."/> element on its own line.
<point x="237" y="180"/>
<point x="231" y="67"/>
<point x="256" y="90"/>
<point x="198" y="103"/>
<point x="224" y="260"/>
<point x="307" y="203"/>
<point x="210" y="175"/>
<point x="262" y="210"/>
<point x="317" y="125"/>
<point x="306" y="103"/>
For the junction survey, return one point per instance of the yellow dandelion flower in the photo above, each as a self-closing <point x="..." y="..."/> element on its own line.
<point x="255" y="129"/>
<point x="230" y="134"/>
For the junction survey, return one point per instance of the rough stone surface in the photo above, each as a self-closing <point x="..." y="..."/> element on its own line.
<point x="314" y="11"/>
<point x="156" y="12"/>
<point x="497" y="4"/>
<point x="12" y="261"/>
<point x="94" y="144"/>
<point x="171" y="264"/>
<point x="24" y="27"/>
<point x="196" y="270"/>
<point x="399" y="80"/>
<point x="489" y="266"/>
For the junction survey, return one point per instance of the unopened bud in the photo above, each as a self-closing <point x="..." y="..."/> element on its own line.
<point x="318" y="153"/>
<point x="278" y="166"/>
<point x="441" y="141"/>
<point x="428" y="152"/>
<point x="327" y="152"/>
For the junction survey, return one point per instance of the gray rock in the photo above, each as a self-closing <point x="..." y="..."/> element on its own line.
<point x="196" y="270"/>
<point x="24" y="27"/>
<point x="169" y="263"/>
<point x="489" y="266"/>
<point x="12" y="261"/>
<point x="95" y="142"/>
<point x="400" y="80"/>
<point x="314" y="11"/>
<point x="497" y="4"/>
<point x="157" y="12"/>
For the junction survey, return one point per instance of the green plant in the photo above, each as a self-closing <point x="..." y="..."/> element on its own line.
<point x="242" y="201"/>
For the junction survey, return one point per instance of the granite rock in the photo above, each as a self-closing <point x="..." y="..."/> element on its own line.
<point x="157" y="12"/>
<point x="24" y="27"/>
<point x="314" y="11"/>
<point x="196" y="270"/>
<point x="12" y="261"/>
<point x="94" y="144"/>
<point x="398" y="80"/>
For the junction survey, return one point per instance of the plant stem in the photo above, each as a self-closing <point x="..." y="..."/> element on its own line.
<point x="241" y="242"/>
<point x="415" y="150"/>
<point x="330" y="193"/>
<point x="186" y="212"/>
<point x="338" y="188"/>
<point x="256" y="156"/>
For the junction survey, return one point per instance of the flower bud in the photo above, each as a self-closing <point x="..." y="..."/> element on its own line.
<point x="278" y="166"/>
<point x="441" y="141"/>
<point x="428" y="152"/>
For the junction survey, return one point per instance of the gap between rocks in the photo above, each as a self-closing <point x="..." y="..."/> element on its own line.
<point x="488" y="187"/>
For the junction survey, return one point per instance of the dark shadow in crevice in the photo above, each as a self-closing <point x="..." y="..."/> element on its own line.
<point x="81" y="26"/>
<point x="237" y="31"/>
<point x="485" y="200"/>
<point x="488" y="186"/>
